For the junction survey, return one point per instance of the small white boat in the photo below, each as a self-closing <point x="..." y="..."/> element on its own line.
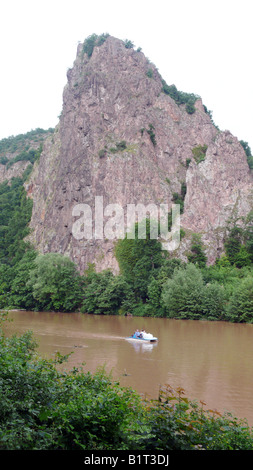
<point x="143" y="337"/>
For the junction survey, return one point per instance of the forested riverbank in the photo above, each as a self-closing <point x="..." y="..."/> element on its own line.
<point x="169" y="288"/>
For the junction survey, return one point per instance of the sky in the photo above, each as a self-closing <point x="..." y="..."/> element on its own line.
<point x="201" y="46"/>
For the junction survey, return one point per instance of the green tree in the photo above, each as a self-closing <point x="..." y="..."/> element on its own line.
<point x="240" y="307"/>
<point x="155" y="287"/>
<point x="233" y="243"/>
<point x="15" y="215"/>
<point x="56" y="283"/>
<point x="183" y="294"/>
<point x="21" y="294"/>
<point x="214" y="301"/>
<point x="128" y="44"/>
<point x="6" y="278"/>
<point x="92" y="41"/>
<point x="106" y="294"/>
<point x="139" y="259"/>
<point x="249" y="155"/>
<point x="197" y="255"/>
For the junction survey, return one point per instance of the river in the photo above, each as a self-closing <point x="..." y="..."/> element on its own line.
<point x="211" y="361"/>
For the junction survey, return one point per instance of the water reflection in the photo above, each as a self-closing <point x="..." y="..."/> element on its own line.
<point x="142" y="347"/>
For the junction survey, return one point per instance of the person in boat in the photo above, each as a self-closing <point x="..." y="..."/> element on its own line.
<point x="142" y="333"/>
<point x="137" y="334"/>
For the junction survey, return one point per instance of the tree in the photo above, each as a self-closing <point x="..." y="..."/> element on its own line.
<point x="233" y="244"/>
<point x="214" y="299"/>
<point x="21" y="294"/>
<point x="106" y="294"/>
<point x="155" y="287"/>
<point x="247" y="150"/>
<point x="182" y="295"/>
<point x="15" y="214"/>
<point x="240" y="308"/>
<point x="56" y="283"/>
<point x="139" y="260"/>
<point x="197" y="255"/>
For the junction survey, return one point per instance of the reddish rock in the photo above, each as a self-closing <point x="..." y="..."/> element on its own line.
<point x="110" y="99"/>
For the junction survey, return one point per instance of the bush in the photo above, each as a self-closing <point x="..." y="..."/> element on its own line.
<point x="92" y="41"/>
<point x="149" y="73"/>
<point x="43" y="409"/>
<point x="199" y="153"/>
<point x="151" y="133"/>
<point x="180" y="97"/>
<point x="248" y="153"/>
<point x="180" y="424"/>
<point x="128" y="44"/>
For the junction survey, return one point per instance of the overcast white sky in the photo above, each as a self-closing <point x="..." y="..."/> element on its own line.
<point x="202" y="46"/>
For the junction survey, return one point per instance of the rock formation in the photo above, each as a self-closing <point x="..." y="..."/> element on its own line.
<point x="122" y="138"/>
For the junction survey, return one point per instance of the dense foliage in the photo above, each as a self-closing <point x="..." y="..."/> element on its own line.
<point x="180" y="97"/>
<point x="249" y="155"/>
<point x="92" y="41"/>
<point x="42" y="408"/>
<point x="150" y="283"/>
<point x="15" y="214"/>
<point x="21" y="142"/>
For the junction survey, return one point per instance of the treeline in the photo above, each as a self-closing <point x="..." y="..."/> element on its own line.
<point x="152" y="284"/>
<point x="22" y="142"/>
<point x="149" y="284"/>
<point x="42" y="408"/>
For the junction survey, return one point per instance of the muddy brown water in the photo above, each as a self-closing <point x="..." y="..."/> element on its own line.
<point x="211" y="361"/>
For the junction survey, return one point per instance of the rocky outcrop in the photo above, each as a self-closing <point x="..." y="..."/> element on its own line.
<point x="14" y="171"/>
<point x="121" y="138"/>
<point x="218" y="189"/>
<point x="14" y="152"/>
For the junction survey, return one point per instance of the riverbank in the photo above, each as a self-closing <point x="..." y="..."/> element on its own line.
<point x="149" y="284"/>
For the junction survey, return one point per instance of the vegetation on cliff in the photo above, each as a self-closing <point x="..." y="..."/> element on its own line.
<point x="180" y="97"/>
<point x="92" y="41"/>
<point x="20" y="142"/>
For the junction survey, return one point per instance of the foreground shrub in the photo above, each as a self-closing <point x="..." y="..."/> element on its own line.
<point x="42" y="408"/>
<point x="180" y="424"/>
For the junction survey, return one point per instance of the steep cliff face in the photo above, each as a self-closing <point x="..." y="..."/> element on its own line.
<point x="121" y="138"/>
<point x="218" y="189"/>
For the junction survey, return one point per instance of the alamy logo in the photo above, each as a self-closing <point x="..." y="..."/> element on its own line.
<point x="113" y="222"/>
